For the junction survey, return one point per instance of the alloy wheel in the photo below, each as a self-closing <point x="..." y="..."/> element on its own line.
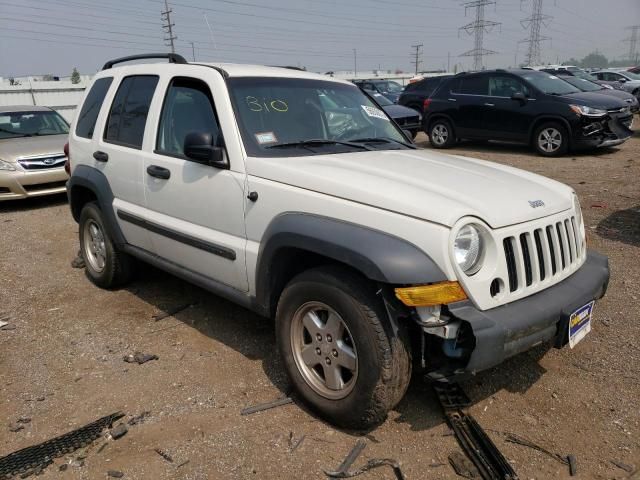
<point x="549" y="140"/>
<point x="94" y="246"/>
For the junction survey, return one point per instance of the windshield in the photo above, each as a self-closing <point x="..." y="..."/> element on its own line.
<point x="288" y="111"/>
<point x="549" y="84"/>
<point x="28" y="124"/>
<point x="582" y="84"/>
<point x="392" y="87"/>
<point x="584" y="75"/>
<point x="631" y="75"/>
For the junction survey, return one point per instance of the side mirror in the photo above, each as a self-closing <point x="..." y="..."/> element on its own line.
<point x="198" y="146"/>
<point x="622" y="80"/>
<point x="519" y="96"/>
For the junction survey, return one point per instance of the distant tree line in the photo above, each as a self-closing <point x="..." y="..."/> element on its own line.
<point x="598" y="60"/>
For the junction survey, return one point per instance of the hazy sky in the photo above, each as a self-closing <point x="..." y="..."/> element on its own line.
<point x="53" y="36"/>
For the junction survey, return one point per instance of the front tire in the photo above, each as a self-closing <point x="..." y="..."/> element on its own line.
<point x="441" y="134"/>
<point x="105" y="265"/>
<point x="338" y="347"/>
<point x="551" y="139"/>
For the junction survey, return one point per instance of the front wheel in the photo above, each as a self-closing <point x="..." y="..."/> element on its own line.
<point x="551" y="139"/>
<point x="105" y="265"/>
<point x="338" y="348"/>
<point x="441" y="134"/>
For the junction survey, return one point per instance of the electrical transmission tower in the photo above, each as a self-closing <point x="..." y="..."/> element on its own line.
<point x="533" y="23"/>
<point x="633" y="43"/>
<point x="478" y="28"/>
<point x="168" y="27"/>
<point x="417" y="61"/>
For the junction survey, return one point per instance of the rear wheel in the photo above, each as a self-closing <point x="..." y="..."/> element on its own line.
<point x="338" y="348"/>
<point x="551" y="139"/>
<point x="441" y="134"/>
<point x="105" y="265"/>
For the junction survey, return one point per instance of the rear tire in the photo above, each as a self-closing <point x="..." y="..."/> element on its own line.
<point x="106" y="267"/>
<point x="551" y="139"/>
<point x="373" y="364"/>
<point x="441" y="134"/>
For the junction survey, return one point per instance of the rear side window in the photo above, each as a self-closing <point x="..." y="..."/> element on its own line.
<point x="128" y="115"/>
<point x="188" y="108"/>
<point x="477" y="85"/>
<point x="91" y="107"/>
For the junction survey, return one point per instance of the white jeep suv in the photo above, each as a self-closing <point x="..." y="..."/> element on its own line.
<point x="370" y="254"/>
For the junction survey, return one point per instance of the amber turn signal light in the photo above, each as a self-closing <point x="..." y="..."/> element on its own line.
<point x="430" y="295"/>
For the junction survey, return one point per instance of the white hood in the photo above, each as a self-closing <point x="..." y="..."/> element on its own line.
<point x="423" y="184"/>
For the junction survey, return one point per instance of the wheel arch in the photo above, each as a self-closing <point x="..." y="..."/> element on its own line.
<point x="549" y="118"/>
<point x="88" y="184"/>
<point x="296" y="241"/>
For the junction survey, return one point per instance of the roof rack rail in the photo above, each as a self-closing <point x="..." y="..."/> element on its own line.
<point x="172" y="57"/>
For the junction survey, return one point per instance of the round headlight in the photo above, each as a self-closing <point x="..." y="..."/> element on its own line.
<point x="467" y="249"/>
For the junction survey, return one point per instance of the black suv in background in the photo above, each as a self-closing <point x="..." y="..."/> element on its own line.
<point x="524" y="106"/>
<point x="416" y="93"/>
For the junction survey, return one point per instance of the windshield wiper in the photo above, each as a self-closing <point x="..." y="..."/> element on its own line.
<point x="383" y="140"/>
<point x="319" y="141"/>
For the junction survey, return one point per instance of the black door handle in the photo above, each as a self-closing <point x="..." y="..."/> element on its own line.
<point x="101" y="156"/>
<point x="159" y="172"/>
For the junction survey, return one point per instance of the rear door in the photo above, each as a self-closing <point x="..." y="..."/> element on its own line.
<point x="470" y="94"/>
<point x="505" y="118"/>
<point x="195" y="212"/>
<point x="117" y="148"/>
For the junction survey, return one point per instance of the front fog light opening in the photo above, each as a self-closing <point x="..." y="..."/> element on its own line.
<point x="468" y="249"/>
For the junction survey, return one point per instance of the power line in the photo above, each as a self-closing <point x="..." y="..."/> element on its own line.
<point x="417" y="61"/>
<point x="478" y="28"/>
<point x="533" y="23"/>
<point x="168" y="27"/>
<point x="633" y="43"/>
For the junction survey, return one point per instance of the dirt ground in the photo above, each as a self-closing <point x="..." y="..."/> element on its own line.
<point x="62" y="365"/>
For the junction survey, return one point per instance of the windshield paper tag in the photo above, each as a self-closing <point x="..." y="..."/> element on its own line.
<point x="266" y="137"/>
<point x="374" y="112"/>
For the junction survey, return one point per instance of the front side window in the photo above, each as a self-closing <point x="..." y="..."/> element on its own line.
<point x="32" y="124"/>
<point x="91" y="107"/>
<point x="505" y="86"/>
<point x="188" y="108"/>
<point x="128" y="114"/>
<point x="272" y="112"/>
<point x="389" y="87"/>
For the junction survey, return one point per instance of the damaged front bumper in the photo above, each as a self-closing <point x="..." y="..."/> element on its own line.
<point x="487" y="338"/>
<point x="608" y="131"/>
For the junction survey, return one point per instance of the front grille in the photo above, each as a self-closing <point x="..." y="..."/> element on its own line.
<point x="41" y="162"/>
<point x="535" y="256"/>
<point x="44" y="186"/>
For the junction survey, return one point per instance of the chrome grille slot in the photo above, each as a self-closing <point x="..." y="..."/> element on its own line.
<point x="537" y="235"/>
<point x="511" y="263"/>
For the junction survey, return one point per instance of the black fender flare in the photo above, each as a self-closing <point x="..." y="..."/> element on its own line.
<point x="94" y="180"/>
<point x="379" y="256"/>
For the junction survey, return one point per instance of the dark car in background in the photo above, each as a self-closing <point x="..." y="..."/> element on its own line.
<point x="416" y="93"/>
<point x="589" y="86"/>
<point x="406" y="118"/>
<point x="388" y="88"/>
<point x="524" y="106"/>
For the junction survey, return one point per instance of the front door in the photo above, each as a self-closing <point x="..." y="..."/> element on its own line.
<point x="195" y="212"/>
<point x="507" y="118"/>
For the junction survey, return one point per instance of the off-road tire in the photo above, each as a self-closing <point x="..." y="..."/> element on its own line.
<point x="118" y="268"/>
<point x="383" y="357"/>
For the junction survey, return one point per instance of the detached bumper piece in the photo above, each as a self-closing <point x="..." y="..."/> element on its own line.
<point x="612" y="130"/>
<point x="38" y="457"/>
<point x="477" y="445"/>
